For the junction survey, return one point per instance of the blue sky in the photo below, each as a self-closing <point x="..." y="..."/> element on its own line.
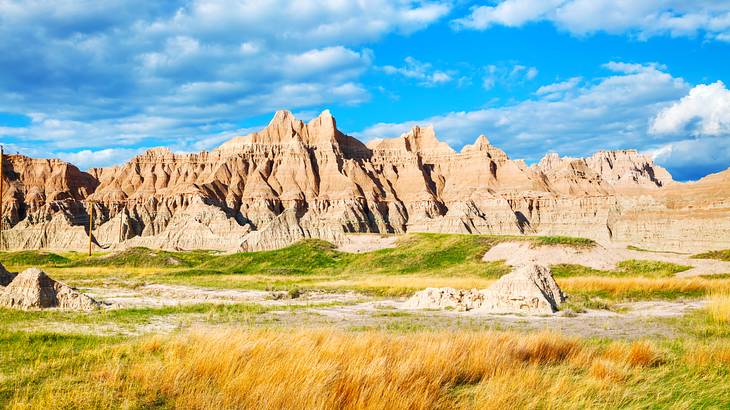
<point x="96" y="83"/>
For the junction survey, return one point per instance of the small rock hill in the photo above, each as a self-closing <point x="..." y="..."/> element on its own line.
<point x="33" y="289"/>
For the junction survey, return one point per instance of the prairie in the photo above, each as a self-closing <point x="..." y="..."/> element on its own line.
<point x="309" y="326"/>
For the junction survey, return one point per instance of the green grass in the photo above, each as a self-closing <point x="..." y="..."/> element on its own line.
<point x="443" y="254"/>
<point x="32" y="258"/>
<point x="211" y="312"/>
<point x="564" y="240"/>
<point x="139" y="257"/>
<point x="302" y="258"/>
<point x="723" y="255"/>
<point x="628" y="268"/>
<point x="35" y="358"/>
<point x="440" y="254"/>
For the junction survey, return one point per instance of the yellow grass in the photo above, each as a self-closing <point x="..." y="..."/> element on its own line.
<point x="619" y="286"/>
<point x="331" y="369"/>
<point x="719" y="307"/>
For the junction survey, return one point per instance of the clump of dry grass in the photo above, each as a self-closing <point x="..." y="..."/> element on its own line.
<point x="719" y="307"/>
<point x="704" y="354"/>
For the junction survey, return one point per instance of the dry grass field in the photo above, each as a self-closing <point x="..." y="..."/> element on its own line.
<point x="264" y="356"/>
<point x="325" y="369"/>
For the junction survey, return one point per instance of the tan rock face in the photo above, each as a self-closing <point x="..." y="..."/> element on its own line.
<point x="296" y="180"/>
<point x="33" y="289"/>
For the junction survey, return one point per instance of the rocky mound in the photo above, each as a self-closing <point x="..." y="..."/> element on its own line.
<point x="33" y="289"/>
<point x="529" y="289"/>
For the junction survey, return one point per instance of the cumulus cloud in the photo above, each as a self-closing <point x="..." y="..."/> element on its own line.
<point x="692" y="159"/>
<point x="138" y="73"/>
<point x="86" y="159"/>
<point x="704" y="111"/>
<point x="643" y="19"/>
<point x="579" y="116"/>
<point x="423" y="72"/>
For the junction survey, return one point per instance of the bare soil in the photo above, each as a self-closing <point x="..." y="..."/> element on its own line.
<point x="597" y="257"/>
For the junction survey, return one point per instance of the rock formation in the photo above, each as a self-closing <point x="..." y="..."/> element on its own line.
<point x="33" y="289"/>
<point x="295" y="180"/>
<point x="530" y="289"/>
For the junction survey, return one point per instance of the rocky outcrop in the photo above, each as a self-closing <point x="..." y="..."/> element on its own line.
<point x="33" y="289"/>
<point x="295" y="180"/>
<point x="530" y="289"/>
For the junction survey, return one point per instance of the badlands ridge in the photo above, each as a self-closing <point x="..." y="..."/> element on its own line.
<point x="295" y="180"/>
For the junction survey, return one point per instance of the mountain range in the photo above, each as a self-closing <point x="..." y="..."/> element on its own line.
<point x="295" y="180"/>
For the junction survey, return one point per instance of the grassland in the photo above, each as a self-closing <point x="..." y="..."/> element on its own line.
<point x="229" y="361"/>
<point x="418" y="261"/>
<point x="325" y="368"/>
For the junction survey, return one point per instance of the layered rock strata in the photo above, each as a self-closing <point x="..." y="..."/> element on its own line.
<point x="295" y="180"/>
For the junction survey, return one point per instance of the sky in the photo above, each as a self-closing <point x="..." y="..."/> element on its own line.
<point x="98" y="82"/>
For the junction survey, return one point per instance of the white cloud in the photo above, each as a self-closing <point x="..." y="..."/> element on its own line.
<point x="557" y="88"/>
<point x="86" y="159"/>
<point x="423" y="72"/>
<point x="507" y="74"/>
<point x="692" y="159"/>
<point x="508" y="13"/>
<point x="704" y="111"/>
<point x="578" y="117"/>
<point x="139" y="73"/>
<point x="643" y="18"/>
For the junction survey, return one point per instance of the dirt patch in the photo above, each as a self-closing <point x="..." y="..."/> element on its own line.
<point x="598" y="257"/>
<point x="361" y="243"/>
<point x="157" y="295"/>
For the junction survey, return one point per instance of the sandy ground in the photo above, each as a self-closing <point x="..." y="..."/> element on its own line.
<point x="359" y="243"/>
<point x="599" y="257"/>
<point x="155" y="295"/>
<point x="354" y="311"/>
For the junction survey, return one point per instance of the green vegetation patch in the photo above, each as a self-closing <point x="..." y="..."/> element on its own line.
<point x="442" y="254"/>
<point x="723" y="255"/>
<point x="564" y="240"/>
<point x="627" y="268"/>
<point x="32" y="258"/>
<point x="304" y="257"/>
<point x="139" y="257"/>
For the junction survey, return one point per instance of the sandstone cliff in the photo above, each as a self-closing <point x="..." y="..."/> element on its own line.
<point x="295" y="180"/>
